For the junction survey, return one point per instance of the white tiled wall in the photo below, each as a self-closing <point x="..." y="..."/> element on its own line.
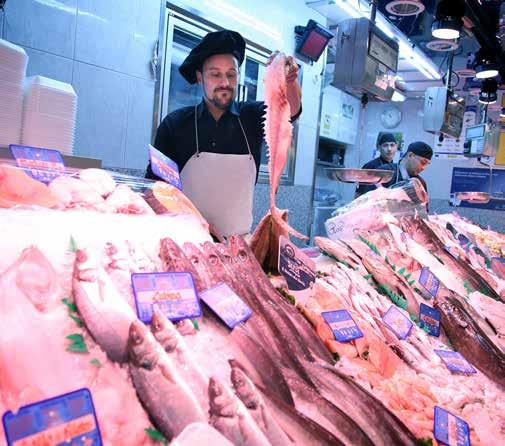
<point x="104" y="49"/>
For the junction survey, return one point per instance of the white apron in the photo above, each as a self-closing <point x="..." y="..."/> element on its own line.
<point x="221" y="187"/>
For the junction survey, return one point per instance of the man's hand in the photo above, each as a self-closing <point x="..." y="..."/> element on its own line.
<point x="291" y="66"/>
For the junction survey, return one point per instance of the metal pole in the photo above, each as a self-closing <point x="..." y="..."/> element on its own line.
<point x="449" y="70"/>
<point x="373" y="10"/>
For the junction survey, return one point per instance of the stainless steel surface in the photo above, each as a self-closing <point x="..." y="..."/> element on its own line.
<point x="473" y="197"/>
<point x="366" y="176"/>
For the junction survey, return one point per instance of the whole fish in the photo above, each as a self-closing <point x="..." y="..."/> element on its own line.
<point x="297" y="326"/>
<point x="180" y="355"/>
<point x="278" y="133"/>
<point x="254" y="403"/>
<point x="384" y="275"/>
<point x="419" y="230"/>
<point x="340" y="251"/>
<point x="242" y="342"/>
<point x="104" y="311"/>
<point x="469" y="339"/>
<point x="361" y="406"/>
<point x="159" y="384"/>
<point x="229" y="416"/>
<point x="341" y="423"/>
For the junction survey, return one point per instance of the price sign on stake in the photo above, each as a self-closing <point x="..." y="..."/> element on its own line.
<point x="428" y="280"/>
<point x="455" y="361"/>
<point x="41" y="164"/>
<point x="342" y="324"/>
<point x="174" y="294"/>
<point x="163" y="167"/>
<point x="450" y="429"/>
<point x="66" y="419"/>
<point x="430" y="319"/>
<point x="297" y="269"/>
<point x="397" y="322"/>
<point x="230" y="308"/>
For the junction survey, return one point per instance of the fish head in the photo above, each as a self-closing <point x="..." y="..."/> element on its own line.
<point x="245" y="388"/>
<point x="221" y="401"/>
<point x="163" y="331"/>
<point x="141" y="347"/>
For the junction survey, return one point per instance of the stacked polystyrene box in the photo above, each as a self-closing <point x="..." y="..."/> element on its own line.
<point x="13" y="61"/>
<point x="49" y="113"/>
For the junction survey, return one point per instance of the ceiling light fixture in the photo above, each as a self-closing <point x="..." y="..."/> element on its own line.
<point x="485" y="65"/>
<point x="448" y="19"/>
<point x="488" y="90"/>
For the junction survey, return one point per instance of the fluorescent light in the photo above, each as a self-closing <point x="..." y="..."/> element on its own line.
<point x="349" y="9"/>
<point x="445" y="33"/>
<point x="245" y="19"/>
<point x="486" y="74"/>
<point x="398" y="97"/>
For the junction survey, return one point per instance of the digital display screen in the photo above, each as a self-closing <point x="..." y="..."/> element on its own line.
<point x="313" y="41"/>
<point x="383" y="52"/>
<point x="476" y="131"/>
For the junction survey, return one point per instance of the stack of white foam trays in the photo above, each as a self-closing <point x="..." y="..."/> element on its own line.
<point x="49" y="114"/>
<point x="13" y="61"/>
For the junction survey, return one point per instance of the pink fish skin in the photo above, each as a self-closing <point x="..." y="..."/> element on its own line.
<point x="278" y="133"/>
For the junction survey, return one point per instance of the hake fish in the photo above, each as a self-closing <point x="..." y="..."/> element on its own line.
<point x="230" y="417"/>
<point x="104" y="311"/>
<point x="469" y="339"/>
<point x="253" y="401"/>
<point x="159" y="384"/>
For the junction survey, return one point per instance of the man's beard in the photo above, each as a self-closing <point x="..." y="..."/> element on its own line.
<point x="220" y="103"/>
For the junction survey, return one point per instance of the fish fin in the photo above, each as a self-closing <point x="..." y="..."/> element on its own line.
<point x="285" y="226"/>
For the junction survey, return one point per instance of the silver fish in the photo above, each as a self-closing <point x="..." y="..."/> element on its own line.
<point x="246" y="391"/>
<point x="229" y="416"/>
<point x="160" y="386"/>
<point x="104" y="311"/>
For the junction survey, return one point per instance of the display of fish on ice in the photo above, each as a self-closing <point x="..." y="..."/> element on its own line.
<point x="278" y="134"/>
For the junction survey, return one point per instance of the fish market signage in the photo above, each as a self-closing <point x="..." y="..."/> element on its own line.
<point x="450" y="429"/>
<point x="295" y="266"/>
<point x="429" y="319"/>
<point x="163" y="167"/>
<point x="397" y="322"/>
<point x="174" y="294"/>
<point x="429" y="281"/>
<point x="230" y="308"/>
<point x="342" y="325"/>
<point x="455" y="362"/>
<point x="66" y="419"/>
<point x="41" y="164"/>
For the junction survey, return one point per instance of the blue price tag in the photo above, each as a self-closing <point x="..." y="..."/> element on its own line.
<point x="68" y="419"/>
<point x="41" y="164"/>
<point x="429" y="281"/>
<point x="455" y="361"/>
<point x="450" y="429"/>
<point x="295" y="266"/>
<point x="163" y="167"/>
<point x="342" y="324"/>
<point x="174" y="294"/>
<point x="430" y="319"/>
<point x="230" y="308"/>
<point x="397" y="322"/>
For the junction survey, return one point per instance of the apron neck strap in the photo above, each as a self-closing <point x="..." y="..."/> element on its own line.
<point x="196" y="135"/>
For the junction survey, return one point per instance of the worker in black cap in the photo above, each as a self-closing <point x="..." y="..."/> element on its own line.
<point x="416" y="160"/>
<point x="388" y="146"/>
<point x="217" y="143"/>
